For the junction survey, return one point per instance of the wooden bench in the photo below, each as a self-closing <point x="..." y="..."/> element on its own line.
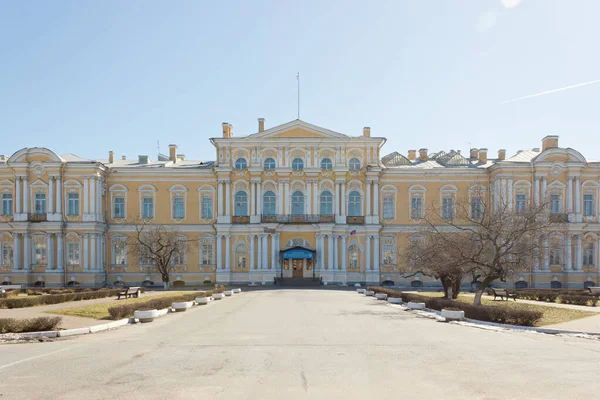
<point x="503" y="294"/>
<point x="594" y="290"/>
<point x="133" y="291"/>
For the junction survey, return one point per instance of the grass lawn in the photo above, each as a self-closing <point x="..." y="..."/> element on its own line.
<point x="551" y="315"/>
<point x="100" y="311"/>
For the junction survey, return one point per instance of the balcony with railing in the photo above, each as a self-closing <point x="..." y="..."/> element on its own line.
<point x="296" y="219"/>
<point x="559" y="218"/>
<point x="355" y="220"/>
<point x="37" y="217"/>
<point x="240" y="219"/>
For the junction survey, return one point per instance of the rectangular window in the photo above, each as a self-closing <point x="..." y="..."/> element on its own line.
<point x="520" y="203"/>
<point x="178" y="208"/>
<point x="40" y="203"/>
<point x="388" y="208"/>
<point x="72" y="253"/>
<point x="73" y="206"/>
<point x="555" y="256"/>
<point x="145" y="257"/>
<point x="588" y="254"/>
<point x="118" y="253"/>
<point x="242" y="261"/>
<point x="555" y="207"/>
<point x="588" y="205"/>
<point x="40" y="253"/>
<point x="7" y="253"/>
<point x="448" y="208"/>
<point x="416" y="208"/>
<point x="119" y="207"/>
<point x="388" y="254"/>
<point x="148" y="207"/>
<point x="178" y="259"/>
<point x="207" y="208"/>
<point x="7" y="204"/>
<point x="207" y="254"/>
<point x="476" y="209"/>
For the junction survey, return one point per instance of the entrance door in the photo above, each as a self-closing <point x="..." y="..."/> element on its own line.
<point x="297" y="270"/>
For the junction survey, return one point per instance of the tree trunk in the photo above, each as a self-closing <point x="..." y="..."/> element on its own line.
<point x="479" y="293"/>
<point x="456" y="288"/>
<point x="165" y="279"/>
<point x="166" y="285"/>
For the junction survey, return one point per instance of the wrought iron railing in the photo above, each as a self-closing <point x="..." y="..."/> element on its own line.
<point x="35" y="217"/>
<point x="296" y="219"/>
<point x="237" y="219"/>
<point x="355" y="220"/>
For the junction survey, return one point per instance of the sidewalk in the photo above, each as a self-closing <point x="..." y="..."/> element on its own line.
<point x="68" y="322"/>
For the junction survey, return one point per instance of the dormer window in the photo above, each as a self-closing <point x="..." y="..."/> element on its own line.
<point x="241" y="163"/>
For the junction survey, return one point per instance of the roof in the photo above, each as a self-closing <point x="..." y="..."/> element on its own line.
<point x="70" y="157"/>
<point x="523" y="156"/>
<point x="134" y="163"/>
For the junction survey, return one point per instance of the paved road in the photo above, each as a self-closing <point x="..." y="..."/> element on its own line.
<point x="301" y="344"/>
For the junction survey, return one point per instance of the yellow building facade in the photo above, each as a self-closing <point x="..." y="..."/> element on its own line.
<point x="292" y="201"/>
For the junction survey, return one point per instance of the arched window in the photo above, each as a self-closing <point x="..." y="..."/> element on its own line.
<point x="354" y="209"/>
<point x="269" y="204"/>
<point x="269" y="164"/>
<point x="353" y="256"/>
<point x="354" y="164"/>
<point x="326" y="203"/>
<point x="241" y="163"/>
<point x="326" y="163"/>
<point x="241" y="204"/>
<point x="297" y="203"/>
<point x="240" y="255"/>
<point x="297" y="164"/>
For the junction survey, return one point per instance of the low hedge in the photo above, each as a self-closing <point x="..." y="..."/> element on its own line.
<point x="565" y="296"/>
<point x="579" y="300"/>
<point x="32" y="301"/>
<point x="14" y="325"/>
<point x="127" y="310"/>
<point x="500" y="313"/>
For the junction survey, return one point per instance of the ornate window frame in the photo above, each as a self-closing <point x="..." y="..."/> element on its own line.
<point x="590" y="187"/>
<point x="206" y="240"/>
<point x="448" y="191"/>
<point x="147" y="191"/>
<point x="70" y="239"/>
<point x="206" y="192"/>
<point x="387" y="192"/>
<point x="114" y="239"/>
<point x="7" y="242"/>
<point x="7" y="187"/>
<point x="416" y="191"/>
<point x="178" y="190"/>
<point x="118" y="191"/>
<point x="557" y="188"/>
<point x="388" y="242"/>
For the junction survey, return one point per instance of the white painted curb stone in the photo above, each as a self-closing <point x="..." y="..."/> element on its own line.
<point x="360" y="291"/>
<point x="163" y="312"/>
<point x="381" y="296"/>
<point x="228" y="292"/>
<point x="237" y="290"/>
<point x="369" y="293"/>
<point x="48" y="334"/>
<point x="452" y="315"/>
<point x="218" y="296"/>
<point x="73" y="332"/>
<point x="202" y="300"/>
<point x="182" y="305"/>
<point x="416" y="306"/>
<point x="357" y="284"/>
<point x="146" y="316"/>
<point x="394" y="300"/>
<point x="98" y="328"/>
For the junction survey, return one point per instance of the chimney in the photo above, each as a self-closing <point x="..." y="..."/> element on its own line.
<point x="423" y="154"/>
<point x="483" y="155"/>
<point x="549" y="142"/>
<point x="366" y="131"/>
<point x="227" y="130"/>
<point x="142" y="159"/>
<point x="261" y="125"/>
<point x="111" y="157"/>
<point x="412" y="155"/>
<point x="173" y="152"/>
<point x="181" y="157"/>
<point x="123" y="158"/>
<point x="536" y="149"/>
<point x="474" y="154"/>
<point x="502" y="154"/>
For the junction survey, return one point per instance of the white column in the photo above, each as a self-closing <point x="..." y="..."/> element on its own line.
<point x="59" y="192"/>
<point x="227" y="200"/>
<point x="330" y="252"/>
<point x="92" y="206"/>
<point x="344" y="262"/>
<point x="288" y="198"/>
<point x="18" y="195"/>
<point x="578" y="253"/>
<point x="251" y="252"/>
<point x="99" y="202"/>
<point x="49" y="251"/>
<point x="335" y="252"/>
<point x="86" y="185"/>
<point x="16" y="251"/>
<point x="316" y="209"/>
<point x="343" y="201"/>
<point x="219" y="252"/>
<point x="59" y="251"/>
<point x="336" y="195"/>
<point x="569" y="194"/>
<point x="265" y="263"/>
<point x="252" y="199"/>
<point x="577" y="198"/>
<point x="545" y="250"/>
<point x="503" y="193"/>
<point x="273" y="252"/>
<point x="260" y="249"/>
<point x="86" y="265"/>
<point x="368" y="200"/>
<point x="510" y="194"/>
<point x="93" y="242"/>
<point x="99" y="252"/>
<point x="51" y="195"/>
<point x="568" y="263"/>
<point x="309" y="205"/>
<point x="220" y="198"/>
<point x="259" y="199"/>
<point x="322" y="247"/>
<point x="228" y="250"/>
<point x="544" y="184"/>
<point x="376" y="201"/>
<point x="367" y="253"/>
<point x="280" y="210"/>
<point x="25" y="195"/>
<point x="536" y="191"/>
<point x="26" y="251"/>
<point x="376" y="252"/>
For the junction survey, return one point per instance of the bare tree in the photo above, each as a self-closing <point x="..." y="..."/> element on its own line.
<point x="161" y="248"/>
<point x="473" y="236"/>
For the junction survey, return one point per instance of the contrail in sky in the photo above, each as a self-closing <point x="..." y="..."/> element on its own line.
<point x="550" y="91"/>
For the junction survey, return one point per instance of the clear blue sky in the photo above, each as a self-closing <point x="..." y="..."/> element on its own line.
<point x="91" y="76"/>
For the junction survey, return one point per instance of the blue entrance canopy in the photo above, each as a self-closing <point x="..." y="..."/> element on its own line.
<point x="297" y="253"/>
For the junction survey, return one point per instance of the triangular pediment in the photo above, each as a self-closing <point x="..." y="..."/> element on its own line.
<point x="297" y="129"/>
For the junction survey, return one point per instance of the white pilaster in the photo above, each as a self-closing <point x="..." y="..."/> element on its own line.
<point x="569" y="194"/>
<point x="577" y="200"/>
<point x="219" y="239"/>
<point x="335" y="252"/>
<point x="18" y="195"/>
<point x="376" y="252"/>
<point x="16" y="251"/>
<point x="86" y="201"/>
<point x="50" y="195"/>
<point x="228" y="250"/>
<point x="330" y="252"/>
<point x="368" y="201"/>
<point x="322" y="255"/>
<point x="343" y="202"/>
<point x="252" y="199"/>
<point x="86" y="265"/>
<point x="252" y="266"/>
<point x="536" y="191"/>
<point x="259" y="200"/>
<point x="93" y="244"/>
<point x="26" y="251"/>
<point x="367" y="253"/>
<point x="316" y="209"/>
<point x="274" y="251"/>
<point x="60" y="263"/>
<point x="309" y="206"/>
<point x="92" y="216"/>
<point x="545" y="260"/>
<point x="260" y="249"/>
<point x="49" y="251"/>
<point x="344" y="261"/>
<point x="25" y="195"/>
<point x="288" y="198"/>
<point x="220" y="198"/>
<point x="265" y="261"/>
<point x="280" y="210"/>
<point x="227" y="200"/>
<point x="99" y="266"/>
<point x="99" y="202"/>
<point x="59" y="193"/>
<point x="337" y="200"/>
<point x="510" y="194"/>
<point x="568" y="257"/>
<point x="544" y="187"/>
<point x="578" y="252"/>
<point x="376" y="201"/>
<point x="503" y="193"/>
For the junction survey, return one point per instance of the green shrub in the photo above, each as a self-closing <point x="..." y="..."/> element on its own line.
<point x="14" y="325"/>
<point x="578" y="300"/>
<point x="44" y="299"/>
